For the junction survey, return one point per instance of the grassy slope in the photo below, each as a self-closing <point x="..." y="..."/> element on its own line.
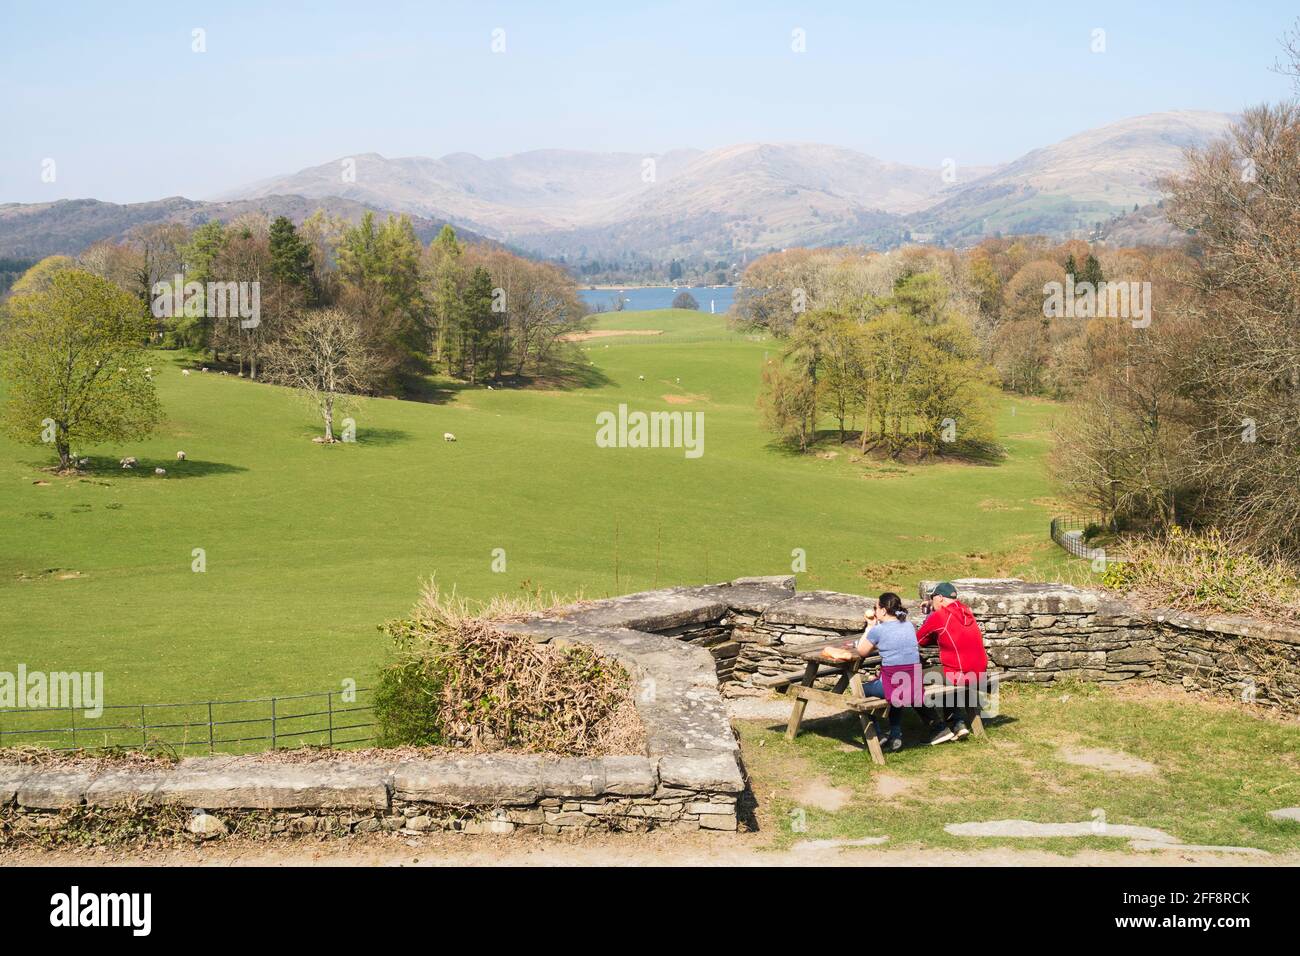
<point x="308" y="547"/>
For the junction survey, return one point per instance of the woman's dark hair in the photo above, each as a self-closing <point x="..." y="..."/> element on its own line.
<point x="892" y="604"/>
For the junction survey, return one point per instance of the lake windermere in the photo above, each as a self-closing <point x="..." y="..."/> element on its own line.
<point x="715" y="299"/>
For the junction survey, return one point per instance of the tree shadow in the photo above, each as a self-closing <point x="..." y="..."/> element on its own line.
<point x="419" y="388"/>
<point x="103" y="467"/>
<point x="560" y="376"/>
<point x="376" y="437"/>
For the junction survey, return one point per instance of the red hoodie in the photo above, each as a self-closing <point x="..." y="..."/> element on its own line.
<point x="961" y="645"/>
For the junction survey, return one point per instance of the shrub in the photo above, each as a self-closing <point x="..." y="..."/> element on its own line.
<point x="684" y="300"/>
<point x="458" y="680"/>
<point x="1207" y="572"/>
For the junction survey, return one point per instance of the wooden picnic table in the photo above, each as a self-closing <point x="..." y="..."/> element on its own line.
<point x="848" y="693"/>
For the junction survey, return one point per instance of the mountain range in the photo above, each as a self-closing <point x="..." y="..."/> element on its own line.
<point x="716" y="203"/>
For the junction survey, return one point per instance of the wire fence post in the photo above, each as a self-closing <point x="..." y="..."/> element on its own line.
<point x="144" y="732"/>
<point x="273" y="735"/>
<point x="72" y="718"/>
<point x="329" y="699"/>
<point x="211" y="742"/>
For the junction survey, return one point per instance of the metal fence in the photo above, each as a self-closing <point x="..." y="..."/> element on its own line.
<point x="329" y="719"/>
<point x="1068" y="531"/>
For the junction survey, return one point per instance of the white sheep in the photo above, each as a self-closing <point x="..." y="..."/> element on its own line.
<point x="641" y="378"/>
<point x="128" y="462"/>
<point x="83" y="462"/>
<point x="160" y="471"/>
<point x="204" y="369"/>
<point x="180" y="456"/>
<point x="448" y="436"/>
<point x="185" y="371"/>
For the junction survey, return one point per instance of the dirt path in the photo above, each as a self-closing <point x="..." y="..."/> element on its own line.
<point x="608" y="850"/>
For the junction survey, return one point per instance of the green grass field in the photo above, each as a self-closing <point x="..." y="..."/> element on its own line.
<point x="308" y="548"/>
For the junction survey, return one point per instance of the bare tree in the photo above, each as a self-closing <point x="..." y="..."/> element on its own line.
<point x="324" y="356"/>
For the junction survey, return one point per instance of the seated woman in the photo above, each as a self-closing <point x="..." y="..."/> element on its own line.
<point x="900" y="662"/>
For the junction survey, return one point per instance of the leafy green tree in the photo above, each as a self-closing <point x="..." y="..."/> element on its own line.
<point x="380" y="274"/>
<point x="71" y="352"/>
<point x="446" y="276"/>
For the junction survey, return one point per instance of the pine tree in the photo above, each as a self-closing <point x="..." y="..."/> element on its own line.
<point x="291" y="260"/>
<point x="480" y="330"/>
<point x="448" y="313"/>
<point x="1092" y="271"/>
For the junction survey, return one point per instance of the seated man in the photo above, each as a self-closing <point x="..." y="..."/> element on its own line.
<point x="962" y="656"/>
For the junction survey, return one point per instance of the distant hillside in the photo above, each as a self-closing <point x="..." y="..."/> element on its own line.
<point x="34" y="230"/>
<point x="722" y="203"/>
<point x="1068" y="188"/>
<point x="580" y="204"/>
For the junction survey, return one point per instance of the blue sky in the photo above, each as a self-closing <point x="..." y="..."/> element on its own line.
<point x="114" y="94"/>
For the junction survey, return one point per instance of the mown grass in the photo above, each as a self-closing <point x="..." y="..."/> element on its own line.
<point x="1218" y="771"/>
<point x="309" y="548"/>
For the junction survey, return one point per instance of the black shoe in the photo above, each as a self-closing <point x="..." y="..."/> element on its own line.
<point x="960" y="730"/>
<point x="891" y="744"/>
<point x="941" y="736"/>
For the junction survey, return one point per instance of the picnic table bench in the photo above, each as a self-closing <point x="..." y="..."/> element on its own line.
<point x="848" y="693"/>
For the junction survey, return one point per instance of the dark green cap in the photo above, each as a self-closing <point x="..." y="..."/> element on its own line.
<point x="944" y="588"/>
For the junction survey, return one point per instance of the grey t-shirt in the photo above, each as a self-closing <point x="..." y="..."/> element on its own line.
<point x="896" y="642"/>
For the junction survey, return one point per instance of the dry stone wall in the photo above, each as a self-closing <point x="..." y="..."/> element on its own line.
<point x="683" y="647"/>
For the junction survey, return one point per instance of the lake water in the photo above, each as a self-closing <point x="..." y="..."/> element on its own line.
<point x="660" y="297"/>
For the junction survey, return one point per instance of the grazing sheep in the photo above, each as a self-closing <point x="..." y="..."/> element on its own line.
<point x="180" y="456"/>
<point x="224" y="372"/>
<point x="204" y="369"/>
<point x="448" y="436"/>
<point x="641" y="378"/>
<point x="129" y="462"/>
<point x="83" y="462"/>
<point x="160" y="471"/>
<point x="185" y="371"/>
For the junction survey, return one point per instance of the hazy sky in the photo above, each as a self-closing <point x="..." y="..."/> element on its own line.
<point x="115" y="95"/>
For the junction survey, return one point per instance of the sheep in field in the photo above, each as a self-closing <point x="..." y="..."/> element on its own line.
<point x="185" y="371"/>
<point x="160" y="471"/>
<point x="448" y="436"/>
<point x="129" y="463"/>
<point x="180" y="456"/>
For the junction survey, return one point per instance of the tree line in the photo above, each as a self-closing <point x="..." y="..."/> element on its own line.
<point x="474" y="312"/>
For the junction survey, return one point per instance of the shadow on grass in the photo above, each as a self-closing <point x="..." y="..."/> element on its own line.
<point x="561" y="376"/>
<point x="374" y="437"/>
<point x="102" y="468"/>
<point x="847" y="729"/>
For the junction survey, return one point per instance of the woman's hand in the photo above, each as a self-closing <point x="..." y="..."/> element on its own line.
<point x="838" y="654"/>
